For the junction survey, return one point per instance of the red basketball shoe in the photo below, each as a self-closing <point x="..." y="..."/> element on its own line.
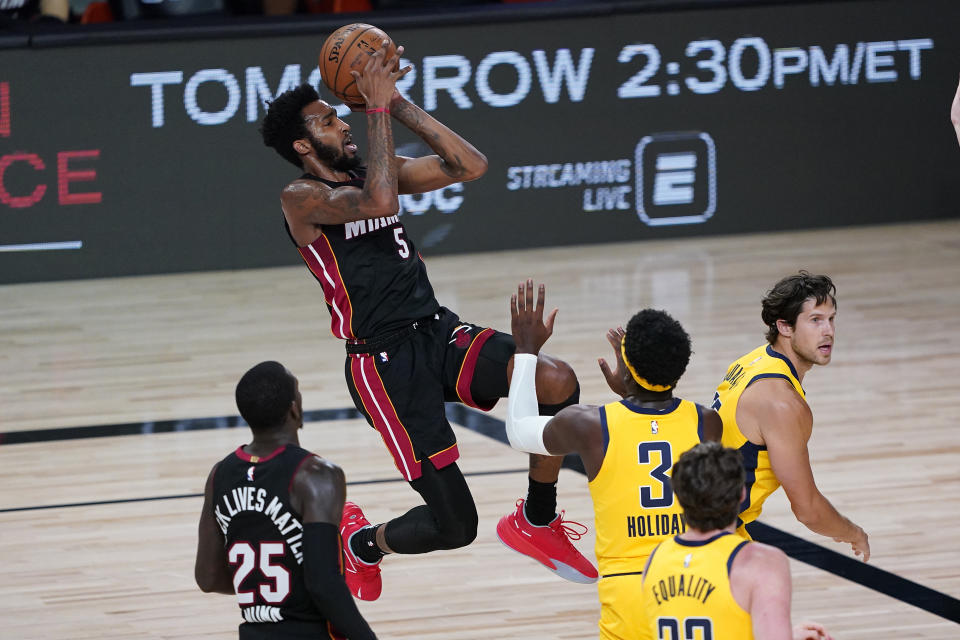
<point x="549" y="544"/>
<point x="363" y="579"/>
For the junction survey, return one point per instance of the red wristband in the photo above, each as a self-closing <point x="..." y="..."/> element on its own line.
<point x="379" y="110"/>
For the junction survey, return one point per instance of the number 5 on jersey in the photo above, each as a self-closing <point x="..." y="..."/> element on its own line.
<point x="404" y="249"/>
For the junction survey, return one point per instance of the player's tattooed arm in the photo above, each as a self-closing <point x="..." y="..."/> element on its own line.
<point x="308" y="203"/>
<point x="381" y="182"/>
<point x="454" y="159"/>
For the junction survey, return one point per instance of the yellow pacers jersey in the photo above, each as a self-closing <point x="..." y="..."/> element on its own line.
<point x="762" y="362"/>
<point x="633" y="502"/>
<point x="686" y="591"/>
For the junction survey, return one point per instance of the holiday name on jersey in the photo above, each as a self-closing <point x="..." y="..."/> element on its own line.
<point x="255" y="499"/>
<point x="667" y="524"/>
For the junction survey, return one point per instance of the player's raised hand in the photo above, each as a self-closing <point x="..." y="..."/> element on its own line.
<point x="614" y="378"/>
<point x="377" y="83"/>
<point x="529" y="329"/>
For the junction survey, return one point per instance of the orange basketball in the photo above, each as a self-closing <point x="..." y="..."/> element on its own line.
<point x="348" y="48"/>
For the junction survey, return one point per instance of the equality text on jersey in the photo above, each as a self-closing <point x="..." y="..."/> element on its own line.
<point x="682" y="585"/>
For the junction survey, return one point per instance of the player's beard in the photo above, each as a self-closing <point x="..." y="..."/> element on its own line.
<point x="335" y="158"/>
<point x="810" y="353"/>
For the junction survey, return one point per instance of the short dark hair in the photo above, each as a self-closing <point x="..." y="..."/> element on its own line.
<point x="708" y="480"/>
<point x="264" y="394"/>
<point x="657" y="347"/>
<point x="786" y="298"/>
<point x="284" y="123"/>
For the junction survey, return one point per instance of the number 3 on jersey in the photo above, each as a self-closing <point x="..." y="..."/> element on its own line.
<point x="241" y="553"/>
<point x="658" y="474"/>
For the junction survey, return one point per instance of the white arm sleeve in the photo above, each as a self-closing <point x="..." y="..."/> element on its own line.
<point x="524" y="424"/>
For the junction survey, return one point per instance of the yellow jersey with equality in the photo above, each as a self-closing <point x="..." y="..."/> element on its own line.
<point x="633" y="502"/>
<point x="686" y="590"/>
<point x="763" y="362"/>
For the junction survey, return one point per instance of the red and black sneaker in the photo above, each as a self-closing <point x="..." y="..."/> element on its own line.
<point x="363" y="579"/>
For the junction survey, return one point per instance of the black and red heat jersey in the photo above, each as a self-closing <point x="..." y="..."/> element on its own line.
<point x="374" y="280"/>
<point x="264" y="536"/>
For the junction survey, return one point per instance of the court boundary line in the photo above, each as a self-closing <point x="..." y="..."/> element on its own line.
<point x="180" y="496"/>
<point x="874" y="578"/>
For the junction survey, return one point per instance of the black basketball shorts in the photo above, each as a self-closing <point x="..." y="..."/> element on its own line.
<point x="400" y="384"/>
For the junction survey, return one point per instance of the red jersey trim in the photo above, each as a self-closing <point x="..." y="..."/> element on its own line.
<point x="465" y="377"/>
<point x="377" y="405"/>
<point x="243" y="455"/>
<point x="322" y="262"/>
<point x="446" y="457"/>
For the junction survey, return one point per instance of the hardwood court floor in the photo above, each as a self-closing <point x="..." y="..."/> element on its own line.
<point x="156" y="348"/>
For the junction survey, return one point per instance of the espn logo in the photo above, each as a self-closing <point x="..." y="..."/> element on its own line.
<point x="676" y="178"/>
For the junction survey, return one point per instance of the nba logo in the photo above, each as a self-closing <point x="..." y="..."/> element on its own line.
<point x="654" y="426"/>
<point x="383" y="356"/>
<point x="676" y="178"/>
<point x="250" y="474"/>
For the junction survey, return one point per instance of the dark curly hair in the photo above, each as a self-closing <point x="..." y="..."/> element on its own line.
<point x="264" y="394"/>
<point x="284" y="123"/>
<point x="786" y="298"/>
<point x="708" y="480"/>
<point x="657" y="347"/>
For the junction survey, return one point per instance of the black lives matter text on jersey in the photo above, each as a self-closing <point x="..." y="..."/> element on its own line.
<point x="257" y="499"/>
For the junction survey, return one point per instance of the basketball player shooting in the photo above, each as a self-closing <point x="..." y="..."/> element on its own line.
<point x="406" y="354"/>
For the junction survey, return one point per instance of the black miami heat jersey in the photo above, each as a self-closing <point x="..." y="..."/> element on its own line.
<point x="373" y="278"/>
<point x="264" y="536"/>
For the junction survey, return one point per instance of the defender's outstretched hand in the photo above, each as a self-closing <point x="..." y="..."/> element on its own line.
<point x="526" y="320"/>
<point x="614" y="378"/>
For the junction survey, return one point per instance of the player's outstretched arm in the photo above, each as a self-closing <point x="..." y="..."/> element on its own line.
<point x="760" y="582"/>
<point x="955" y="112"/>
<point x="455" y="159"/>
<point x="525" y="425"/>
<point x="319" y="490"/>
<point x="786" y="428"/>
<point x="576" y="429"/>
<point x="211" y="571"/>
